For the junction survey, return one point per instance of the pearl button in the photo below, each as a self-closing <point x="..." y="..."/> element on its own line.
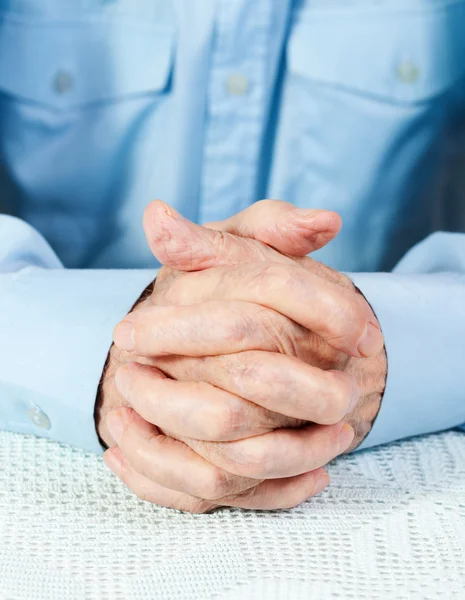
<point x="38" y="418"/>
<point x="237" y="84"/>
<point x="63" y="82"/>
<point x="407" y="72"/>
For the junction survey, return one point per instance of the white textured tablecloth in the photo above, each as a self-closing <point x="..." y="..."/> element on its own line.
<point x="391" y="525"/>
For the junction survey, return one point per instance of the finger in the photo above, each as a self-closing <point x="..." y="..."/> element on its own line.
<point x="341" y="317"/>
<point x="281" y="225"/>
<point x="268" y="495"/>
<point x="212" y="327"/>
<point x="194" y="409"/>
<point x="281" y="493"/>
<point x="220" y="327"/>
<point x="290" y="231"/>
<point x="281" y="453"/>
<point x="281" y="384"/>
<point x="152" y="492"/>
<point x="170" y="462"/>
<point x="182" y="245"/>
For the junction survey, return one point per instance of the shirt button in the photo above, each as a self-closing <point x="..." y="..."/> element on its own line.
<point x="63" y="82"/>
<point x="38" y="418"/>
<point x="237" y="84"/>
<point x="407" y="72"/>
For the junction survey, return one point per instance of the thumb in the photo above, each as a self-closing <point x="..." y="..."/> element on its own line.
<point x="290" y="230"/>
<point x="180" y="244"/>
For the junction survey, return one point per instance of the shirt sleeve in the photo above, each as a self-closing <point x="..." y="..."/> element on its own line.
<point x="421" y="309"/>
<point x="56" y="329"/>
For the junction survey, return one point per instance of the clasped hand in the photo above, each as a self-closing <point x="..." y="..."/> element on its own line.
<point x="247" y="368"/>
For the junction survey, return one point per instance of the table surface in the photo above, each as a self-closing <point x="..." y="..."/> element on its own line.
<point x="391" y="525"/>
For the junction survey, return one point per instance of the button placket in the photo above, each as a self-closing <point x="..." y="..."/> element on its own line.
<point x="236" y="111"/>
<point x="237" y="84"/>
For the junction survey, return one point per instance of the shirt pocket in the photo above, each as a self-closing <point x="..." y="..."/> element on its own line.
<point x="370" y="95"/>
<point x="401" y="55"/>
<point x="64" y="65"/>
<point x="83" y="104"/>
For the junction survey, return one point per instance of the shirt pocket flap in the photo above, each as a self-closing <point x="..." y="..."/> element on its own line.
<point x="402" y="56"/>
<point x="67" y="64"/>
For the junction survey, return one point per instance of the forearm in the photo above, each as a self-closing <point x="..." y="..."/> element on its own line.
<point x="56" y="331"/>
<point x="108" y="398"/>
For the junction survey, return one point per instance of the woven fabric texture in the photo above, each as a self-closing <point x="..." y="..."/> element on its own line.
<point x="391" y="525"/>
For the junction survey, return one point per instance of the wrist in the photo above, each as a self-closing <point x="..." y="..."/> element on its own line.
<point x="108" y="398"/>
<point x="371" y="375"/>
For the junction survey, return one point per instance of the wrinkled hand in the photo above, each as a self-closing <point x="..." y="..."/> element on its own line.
<point x="248" y="369"/>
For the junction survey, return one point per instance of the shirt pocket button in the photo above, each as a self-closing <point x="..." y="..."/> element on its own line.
<point x="63" y="82"/>
<point x="408" y="72"/>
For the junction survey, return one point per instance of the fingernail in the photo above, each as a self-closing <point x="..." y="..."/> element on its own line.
<point x="123" y="336"/>
<point x="345" y="437"/>
<point x="170" y="211"/>
<point x="165" y="207"/>
<point x="322" y="482"/>
<point x="113" y="460"/>
<point x="122" y="380"/>
<point x="115" y="425"/>
<point x="371" y="342"/>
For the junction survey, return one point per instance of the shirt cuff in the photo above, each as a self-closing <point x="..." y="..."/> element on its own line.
<point x="57" y="329"/>
<point x="423" y="321"/>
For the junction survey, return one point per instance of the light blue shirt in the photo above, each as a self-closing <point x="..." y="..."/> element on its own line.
<point x="357" y="106"/>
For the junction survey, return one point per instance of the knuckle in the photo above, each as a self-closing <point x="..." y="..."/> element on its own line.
<point x="241" y="327"/>
<point x="324" y="355"/>
<point x="242" y="367"/>
<point x="332" y="275"/>
<point x="220" y="241"/>
<point x="215" y="485"/>
<point x="360" y="309"/>
<point x="279" y="331"/>
<point x="254" y="461"/>
<point x="178" y="251"/>
<point x="230" y="419"/>
<point x="262" y="209"/>
<point x="211" y="429"/>
<point x="342" y="305"/>
<point x="345" y="316"/>
<point x="223" y="417"/>
<point x="299" y="280"/>
<point x="173" y="291"/>
<point x="344" y="281"/>
<point x="215" y="426"/>
<point x="273" y="277"/>
<point x="340" y="393"/>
